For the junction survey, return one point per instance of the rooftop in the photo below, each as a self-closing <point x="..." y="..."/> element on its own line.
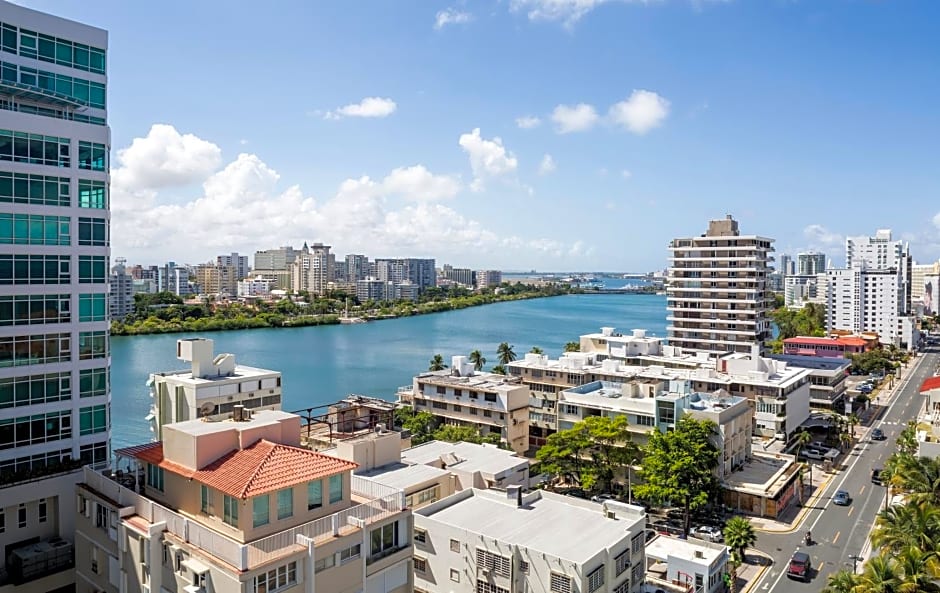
<point x="478" y="380"/>
<point x="403" y="475"/>
<point x="818" y="341"/>
<point x="764" y="474"/>
<point x="663" y="547"/>
<point x="561" y="526"/>
<point x="930" y="384"/>
<point x="465" y="457"/>
<point x="813" y="362"/>
<point x="241" y="372"/>
<point x="260" y="468"/>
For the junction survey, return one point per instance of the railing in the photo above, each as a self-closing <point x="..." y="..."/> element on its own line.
<point x="370" y="489"/>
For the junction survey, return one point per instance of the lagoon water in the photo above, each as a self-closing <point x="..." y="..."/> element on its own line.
<point x="323" y="364"/>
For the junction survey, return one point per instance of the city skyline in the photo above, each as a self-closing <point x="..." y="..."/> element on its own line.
<point x="460" y="131"/>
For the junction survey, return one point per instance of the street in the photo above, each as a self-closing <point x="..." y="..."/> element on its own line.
<point x="840" y="533"/>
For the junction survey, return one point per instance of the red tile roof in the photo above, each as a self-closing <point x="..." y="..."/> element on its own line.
<point x="825" y="341"/>
<point x="930" y="383"/>
<point x="852" y="341"/>
<point x="257" y="469"/>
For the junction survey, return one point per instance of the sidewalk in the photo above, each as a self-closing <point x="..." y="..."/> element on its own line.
<point x="750" y="573"/>
<point x="792" y="518"/>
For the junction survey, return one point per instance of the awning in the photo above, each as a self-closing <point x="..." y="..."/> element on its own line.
<point x="195" y="566"/>
<point x="35" y="93"/>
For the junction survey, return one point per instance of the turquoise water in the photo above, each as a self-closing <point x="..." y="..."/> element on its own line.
<point x="323" y="364"/>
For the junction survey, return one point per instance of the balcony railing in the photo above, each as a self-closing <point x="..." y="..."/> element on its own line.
<point x="383" y="502"/>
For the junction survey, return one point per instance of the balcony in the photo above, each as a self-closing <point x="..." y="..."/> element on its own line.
<point x="380" y="503"/>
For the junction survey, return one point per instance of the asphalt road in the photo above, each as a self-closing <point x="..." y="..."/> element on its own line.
<point x="841" y="532"/>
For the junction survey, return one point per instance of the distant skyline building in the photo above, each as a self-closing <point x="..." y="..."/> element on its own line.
<point x="489" y="278"/>
<point x="312" y="270"/>
<point x="881" y="252"/>
<point x="121" y="291"/>
<point x="54" y="248"/>
<point x="718" y="296"/>
<point x="357" y="267"/>
<point x="810" y="263"/>
<point x="787" y="266"/>
<point x="275" y="259"/>
<point x="925" y="282"/>
<point x="419" y="271"/>
<point x="239" y="264"/>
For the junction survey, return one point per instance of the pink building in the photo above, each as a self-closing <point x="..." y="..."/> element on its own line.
<point x="826" y="347"/>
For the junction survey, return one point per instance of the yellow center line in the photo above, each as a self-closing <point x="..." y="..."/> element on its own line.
<point x="862" y="489"/>
<point x="836" y="538"/>
<point x="850" y="513"/>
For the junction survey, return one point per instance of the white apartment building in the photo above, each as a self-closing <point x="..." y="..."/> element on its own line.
<point x="275" y="259"/>
<point x="881" y="252"/>
<point x="121" y="291"/>
<point x="239" y="263"/>
<point x="489" y="278"/>
<point x="494" y="404"/>
<point x="54" y="320"/>
<point x="867" y="300"/>
<point x="509" y="542"/>
<point x="691" y="564"/>
<point x="925" y="288"/>
<point x="717" y="296"/>
<point x="211" y="388"/>
<point x="237" y="506"/>
<point x="312" y="269"/>
<point x="256" y="287"/>
<point x="798" y="291"/>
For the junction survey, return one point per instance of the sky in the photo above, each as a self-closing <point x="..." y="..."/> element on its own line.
<point x="517" y="134"/>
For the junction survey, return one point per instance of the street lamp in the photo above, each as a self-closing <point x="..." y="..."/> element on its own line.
<point x="630" y="481"/>
<point x="855" y="560"/>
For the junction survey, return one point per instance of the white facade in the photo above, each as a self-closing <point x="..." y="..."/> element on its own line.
<point x="696" y="563"/>
<point x="867" y="300"/>
<point x="54" y="337"/>
<point x="507" y="542"/>
<point x="312" y="270"/>
<point x="489" y="278"/>
<point x="925" y="288"/>
<point x="121" y="291"/>
<point x="800" y="290"/>
<point x="256" y="287"/>
<point x="881" y="252"/>
<point x="233" y="260"/>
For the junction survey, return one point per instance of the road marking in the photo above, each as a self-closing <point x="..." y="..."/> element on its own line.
<point x="862" y="489"/>
<point x="850" y="514"/>
<point x="836" y="538"/>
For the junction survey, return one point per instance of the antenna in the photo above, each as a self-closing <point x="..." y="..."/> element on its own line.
<point x="206" y="409"/>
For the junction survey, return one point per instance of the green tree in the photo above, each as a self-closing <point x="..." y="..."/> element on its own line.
<point x="611" y="447"/>
<point x="919" y="477"/>
<point x="499" y="369"/>
<point x="572" y="347"/>
<point x="909" y="524"/>
<point x="739" y="536"/>
<point x="476" y="357"/>
<point x="841" y="581"/>
<point x="920" y="570"/>
<point x="505" y="353"/>
<point x="420" y="424"/>
<point x="803" y="438"/>
<point x="907" y="439"/>
<point x="536" y="350"/>
<point x="679" y="466"/>
<point x="437" y="363"/>
<point x="880" y="575"/>
<point x="564" y="455"/>
<point x="453" y="433"/>
<point x="852" y="420"/>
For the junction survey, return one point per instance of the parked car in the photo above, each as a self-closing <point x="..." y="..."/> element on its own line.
<point x="841" y="498"/>
<point x="865" y="388"/>
<point x="876" y="476"/>
<point x="603" y="497"/>
<point x="812" y="454"/>
<point x="800" y="566"/>
<point x="709" y="533"/>
<point x="878" y="435"/>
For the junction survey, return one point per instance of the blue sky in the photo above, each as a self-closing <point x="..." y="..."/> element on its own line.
<point x="807" y="120"/>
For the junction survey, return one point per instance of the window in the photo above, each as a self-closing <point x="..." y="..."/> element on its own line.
<point x="276" y="579"/>
<point x="623" y="587"/>
<point x="93" y="307"/>
<point x="336" y="488"/>
<point x="384" y="539"/>
<point x="314" y="495"/>
<point x="92" y="345"/>
<point x="487" y="560"/>
<point x="325" y="563"/>
<point x="93" y="419"/>
<point x="455" y="575"/>
<point x="34" y="229"/>
<point x="21" y="516"/>
<point x="92" y="156"/>
<point x="92" y="194"/>
<point x="41" y="190"/>
<point x="35" y="389"/>
<point x="34" y="149"/>
<point x="205" y="498"/>
<point x="93" y="231"/>
<point x="637" y="543"/>
<point x="486" y="587"/>
<point x="260" y="510"/>
<point x="92" y="269"/>
<point x="92" y="382"/>
<point x="35" y="269"/>
<point x="596" y="579"/>
<point x="645" y="420"/>
<point x="94" y="559"/>
<point x="421" y="564"/>
<point x="285" y="503"/>
<point x="490" y="397"/>
<point x="636" y="573"/>
<point x="350" y="553"/>
<point x="155" y="476"/>
<point x="455" y="546"/>
<point x="569" y="409"/>
<point x="34" y="349"/>
<point x="622" y="562"/>
<point x="559" y="583"/>
<point x="230" y="510"/>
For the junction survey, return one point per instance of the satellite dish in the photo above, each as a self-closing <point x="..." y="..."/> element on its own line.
<point x="206" y="409"/>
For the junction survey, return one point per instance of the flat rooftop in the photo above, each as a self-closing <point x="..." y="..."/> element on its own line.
<point x="404" y="476"/>
<point x="241" y="372"/>
<point x="465" y="457"/>
<point x="662" y="547"/>
<point x="487" y="381"/>
<point x="813" y="362"/>
<point x="561" y="526"/>
<point x="764" y="474"/>
<point x="258" y="418"/>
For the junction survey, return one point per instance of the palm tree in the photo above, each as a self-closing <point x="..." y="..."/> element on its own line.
<point x="739" y="536"/>
<point x="881" y="575"/>
<point x="437" y="363"/>
<point x="802" y="439"/>
<point x="476" y="357"/>
<point x="852" y="420"/>
<point x="572" y="347"/>
<point x="920" y="476"/>
<point x="536" y="350"/>
<point x="844" y="439"/>
<point x="841" y="581"/>
<point x="915" y="523"/>
<point x="920" y="570"/>
<point x="499" y="369"/>
<point x="505" y="353"/>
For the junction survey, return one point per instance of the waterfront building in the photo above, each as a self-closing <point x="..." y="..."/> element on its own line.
<point x="239" y="264"/>
<point x="54" y="269"/>
<point x="237" y="505"/>
<point x="420" y="272"/>
<point x="372" y="289"/>
<point x="925" y="288"/>
<point x="256" y="286"/>
<point x="215" y="279"/>
<point x="312" y="270"/>
<point x="275" y="259"/>
<point x="174" y="278"/>
<point x="121" y="291"/>
<point x="718" y="297"/>
<point x="462" y="276"/>
<point x="487" y="541"/>
<point x="492" y="403"/>
<point x="694" y="565"/>
<point x="357" y="267"/>
<point x="488" y="278"/>
<point x="810" y="263"/>
<point x="826" y="378"/>
<point x="212" y="388"/>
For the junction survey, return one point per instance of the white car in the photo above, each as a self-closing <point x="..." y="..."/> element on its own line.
<point x="709" y="533"/>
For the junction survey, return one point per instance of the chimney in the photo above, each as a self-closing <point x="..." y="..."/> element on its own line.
<point x="699" y="554"/>
<point x="514" y="493"/>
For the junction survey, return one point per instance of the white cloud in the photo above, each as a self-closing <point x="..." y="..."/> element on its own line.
<point x="527" y="122"/>
<point x="936" y="220"/>
<point x="419" y="184"/>
<point x="451" y="16"/>
<point x="641" y="112"/>
<point x="567" y="11"/>
<point x="547" y="165"/>
<point x="818" y="235"/>
<point x="626" y="174"/>
<point x="488" y="158"/>
<point x="165" y="158"/>
<point x="576" y="118"/>
<point x="368" y="107"/>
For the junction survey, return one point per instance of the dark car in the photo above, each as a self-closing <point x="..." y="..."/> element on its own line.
<point x="841" y="498"/>
<point x="865" y="388"/>
<point x="800" y="566"/>
<point x="876" y="476"/>
<point x="877" y="435"/>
